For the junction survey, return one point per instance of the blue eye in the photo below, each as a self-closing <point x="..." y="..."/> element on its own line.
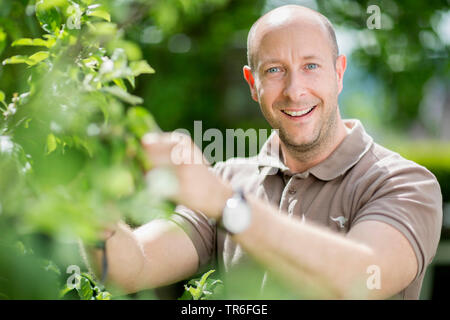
<point x="273" y="70"/>
<point x="311" y="66"/>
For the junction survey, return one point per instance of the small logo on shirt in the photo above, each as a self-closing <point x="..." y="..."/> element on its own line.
<point x="340" y="221"/>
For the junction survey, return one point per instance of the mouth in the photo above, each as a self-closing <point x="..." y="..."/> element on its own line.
<point x="299" y="113"/>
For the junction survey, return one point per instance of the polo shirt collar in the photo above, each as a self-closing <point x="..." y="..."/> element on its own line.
<point x="346" y="155"/>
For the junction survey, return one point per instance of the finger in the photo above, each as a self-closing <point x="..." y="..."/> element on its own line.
<point x="172" y="148"/>
<point x="158" y="148"/>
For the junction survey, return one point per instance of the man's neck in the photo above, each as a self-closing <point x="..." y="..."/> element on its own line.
<point x="300" y="162"/>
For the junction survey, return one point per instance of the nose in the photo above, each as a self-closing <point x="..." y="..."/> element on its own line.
<point x="295" y="86"/>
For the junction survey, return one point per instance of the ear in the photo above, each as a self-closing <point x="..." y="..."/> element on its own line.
<point x="251" y="82"/>
<point x="341" y="64"/>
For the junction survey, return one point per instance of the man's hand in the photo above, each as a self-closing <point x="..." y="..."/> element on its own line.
<point x="198" y="188"/>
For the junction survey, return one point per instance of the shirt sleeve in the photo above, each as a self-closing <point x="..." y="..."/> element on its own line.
<point x="200" y="231"/>
<point x="199" y="228"/>
<point x="407" y="197"/>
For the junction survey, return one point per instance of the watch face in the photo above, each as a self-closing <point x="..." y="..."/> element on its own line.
<point x="236" y="215"/>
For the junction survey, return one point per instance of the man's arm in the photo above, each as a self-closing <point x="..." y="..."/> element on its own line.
<point x="156" y="254"/>
<point x="333" y="264"/>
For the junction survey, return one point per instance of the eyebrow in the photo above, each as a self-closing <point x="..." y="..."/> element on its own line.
<point x="307" y="57"/>
<point x="311" y="57"/>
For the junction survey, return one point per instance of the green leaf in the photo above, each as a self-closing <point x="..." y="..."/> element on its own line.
<point x="34" y="42"/>
<point x="46" y="4"/>
<point x="65" y="291"/>
<point x="140" y="121"/>
<point x="17" y="59"/>
<point x="49" y="265"/>
<point x="27" y="42"/>
<point x="99" y="14"/>
<point x="186" y="295"/>
<point x="84" y="144"/>
<point x="132" y="50"/>
<point x="140" y="67"/>
<point x="91" y="62"/>
<point x="2" y="96"/>
<point x="51" y="143"/>
<point x="195" y="292"/>
<point x="31" y="61"/>
<point x="204" y="277"/>
<point x="123" y="95"/>
<point x="103" y="28"/>
<point x="85" y="290"/>
<point x="103" y="296"/>
<point x="2" y="40"/>
<point x="38" y="57"/>
<point x="204" y="287"/>
<point x="89" y="277"/>
<point x="120" y="83"/>
<point x="48" y="15"/>
<point x="115" y="182"/>
<point x="131" y="81"/>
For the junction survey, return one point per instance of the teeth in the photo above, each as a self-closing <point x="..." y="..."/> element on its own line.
<point x="297" y="113"/>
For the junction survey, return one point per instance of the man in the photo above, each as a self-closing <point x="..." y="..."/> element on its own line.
<point x="327" y="209"/>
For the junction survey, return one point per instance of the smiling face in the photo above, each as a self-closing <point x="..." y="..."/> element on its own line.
<point x="296" y="80"/>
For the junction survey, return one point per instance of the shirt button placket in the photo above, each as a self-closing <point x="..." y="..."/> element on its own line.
<point x="288" y="200"/>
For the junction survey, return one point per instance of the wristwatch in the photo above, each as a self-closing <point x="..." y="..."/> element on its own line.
<point x="236" y="215"/>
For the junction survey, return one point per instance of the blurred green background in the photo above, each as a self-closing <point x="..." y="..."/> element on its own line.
<point x="397" y="80"/>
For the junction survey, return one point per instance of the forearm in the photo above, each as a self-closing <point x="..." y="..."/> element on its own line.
<point x="305" y="253"/>
<point x="124" y="257"/>
<point x="156" y="254"/>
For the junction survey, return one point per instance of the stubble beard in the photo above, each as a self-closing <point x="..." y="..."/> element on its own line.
<point x="304" y="152"/>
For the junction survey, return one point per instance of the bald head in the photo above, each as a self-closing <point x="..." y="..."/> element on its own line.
<point x="284" y="16"/>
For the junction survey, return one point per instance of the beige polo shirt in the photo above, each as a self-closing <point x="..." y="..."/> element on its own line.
<point x="359" y="181"/>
